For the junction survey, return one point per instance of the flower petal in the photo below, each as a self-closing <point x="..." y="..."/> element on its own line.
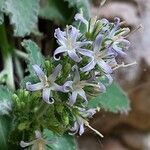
<point x="86" y="52"/>
<point x="81" y="92"/>
<point x="74" y="33"/>
<point x="76" y="74"/>
<point x="39" y="73"/>
<point x="67" y="86"/>
<point x="46" y="96"/>
<point x="89" y="66"/>
<point x="97" y="43"/>
<point x="26" y="144"/>
<point x="55" y="73"/>
<point x="34" y="87"/>
<point x="72" y="54"/>
<point x="60" y="35"/>
<point x="81" y="130"/>
<point x="74" y="129"/>
<point x="57" y="87"/>
<point x="83" y="43"/>
<point x="73" y="98"/>
<point x="59" y="50"/>
<point x="118" y="50"/>
<point x="104" y="66"/>
<point x="80" y="17"/>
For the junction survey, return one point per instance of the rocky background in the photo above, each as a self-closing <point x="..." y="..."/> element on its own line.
<point x="126" y="131"/>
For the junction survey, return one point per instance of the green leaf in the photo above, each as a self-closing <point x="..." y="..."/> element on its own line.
<point x="81" y="5"/>
<point x="63" y="11"/>
<point x="114" y="100"/>
<point x="52" y="10"/>
<point x="65" y="142"/>
<point x="34" y="53"/>
<point x="23" y="15"/>
<point x="5" y="121"/>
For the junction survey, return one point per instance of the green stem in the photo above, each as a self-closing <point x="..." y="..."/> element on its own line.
<point x="7" y="57"/>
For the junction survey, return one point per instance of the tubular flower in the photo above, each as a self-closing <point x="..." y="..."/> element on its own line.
<point x="76" y="86"/>
<point x="119" y="43"/>
<point x="81" y="122"/>
<point x="38" y="144"/>
<point x="98" y="57"/>
<point x="46" y="84"/>
<point x="68" y="43"/>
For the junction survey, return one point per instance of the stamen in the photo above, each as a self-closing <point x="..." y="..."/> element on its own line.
<point x="97" y="132"/>
<point x="135" y="30"/>
<point x="124" y="66"/>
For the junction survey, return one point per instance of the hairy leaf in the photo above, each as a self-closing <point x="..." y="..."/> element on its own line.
<point x="114" y="100"/>
<point x="23" y="15"/>
<point x="65" y="142"/>
<point x="34" y="54"/>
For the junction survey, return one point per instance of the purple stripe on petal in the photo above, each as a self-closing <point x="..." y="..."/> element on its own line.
<point x="98" y="42"/>
<point x="104" y="66"/>
<point x="89" y="66"/>
<point x="73" y="98"/>
<point x="46" y="95"/>
<point x="72" y="54"/>
<point x="34" y="87"/>
<point x="39" y="72"/>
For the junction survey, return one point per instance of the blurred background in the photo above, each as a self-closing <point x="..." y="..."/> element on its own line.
<point x="126" y="131"/>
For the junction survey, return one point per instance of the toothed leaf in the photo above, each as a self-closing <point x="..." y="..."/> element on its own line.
<point x="114" y="100"/>
<point x="23" y="15"/>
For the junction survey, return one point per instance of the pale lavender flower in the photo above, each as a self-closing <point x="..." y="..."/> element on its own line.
<point x="76" y="86"/>
<point x="46" y="84"/>
<point x="38" y="144"/>
<point x="81" y="122"/>
<point x="69" y="43"/>
<point x="119" y="46"/>
<point x="98" y="57"/>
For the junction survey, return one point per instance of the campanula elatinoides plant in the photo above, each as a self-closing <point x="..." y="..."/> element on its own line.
<point x="55" y="98"/>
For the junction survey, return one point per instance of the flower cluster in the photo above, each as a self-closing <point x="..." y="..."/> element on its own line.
<point x="92" y="54"/>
